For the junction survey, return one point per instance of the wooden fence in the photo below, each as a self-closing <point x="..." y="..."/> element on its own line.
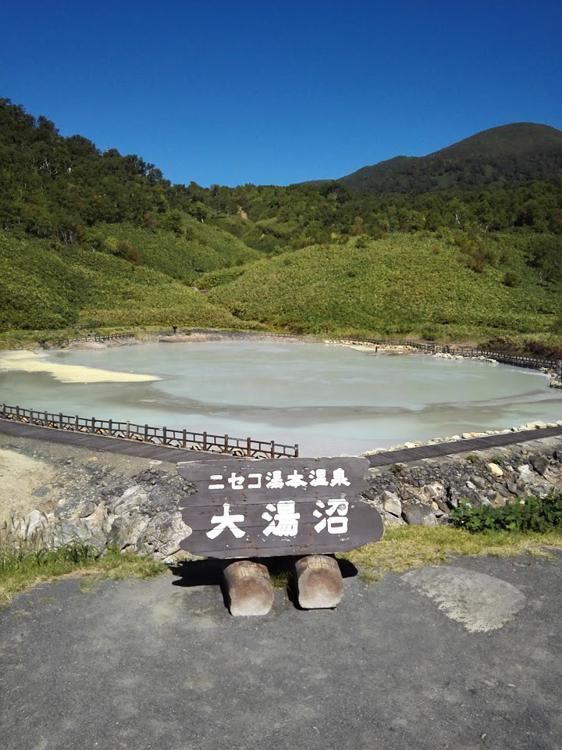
<point x="518" y="360"/>
<point x="100" y="338"/>
<point x="194" y="441"/>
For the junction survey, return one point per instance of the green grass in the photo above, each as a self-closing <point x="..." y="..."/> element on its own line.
<point x="404" y="284"/>
<point x="401" y="549"/>
<point x="198" y="249"/>
<point x="414" y="546"/>
<point x="47" y="287"/>
<point x="22" y="567"/>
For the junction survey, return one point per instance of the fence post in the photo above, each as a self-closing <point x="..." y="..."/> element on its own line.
<point x="184" y="439"/>
<point x="76" y="422"/>
<point x="93" y="424"/>
<point x="128" y="429"/>
<point x="17" y="413"/>
<point x="296" y="450"/>
<point x="204" y="441"/>
<point x="60" y="420"/>
<point x="273" y="449"/>
<point x="226" y="443"/>
<point x="146" y="432"/>
<point x="163" y="436"/>
<point x="248" y="446"/>
<point x="110" y="426"/>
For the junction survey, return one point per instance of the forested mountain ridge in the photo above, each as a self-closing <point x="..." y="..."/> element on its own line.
<point x="94" y="239"/>
<point x="502" y="156"/>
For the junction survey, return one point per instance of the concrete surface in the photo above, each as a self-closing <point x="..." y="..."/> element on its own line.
<point x="161" y="664"/>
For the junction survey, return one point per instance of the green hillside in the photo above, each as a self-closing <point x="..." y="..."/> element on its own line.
<point x="402" y="285"/>
<point x="192" y="249"/>
<point x="465" y="243"/>
<point x="45" y="286"/>
<point x="507" y="155"/>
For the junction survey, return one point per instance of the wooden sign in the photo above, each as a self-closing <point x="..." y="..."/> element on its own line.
<point x="298" y="506"/>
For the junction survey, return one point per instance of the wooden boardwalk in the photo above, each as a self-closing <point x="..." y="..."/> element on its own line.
<point x="407" y="455"/>
<point x="104" y="444"/>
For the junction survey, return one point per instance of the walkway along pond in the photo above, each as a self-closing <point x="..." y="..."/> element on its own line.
<point x="164" y="436"/>
<point x="329" y="399"/>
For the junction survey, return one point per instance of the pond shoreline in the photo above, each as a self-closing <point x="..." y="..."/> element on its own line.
<point x="390" y="349"/>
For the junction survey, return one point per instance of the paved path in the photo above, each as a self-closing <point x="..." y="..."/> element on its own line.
<point x="173" y="455"/>
<point x="161" y="665"/>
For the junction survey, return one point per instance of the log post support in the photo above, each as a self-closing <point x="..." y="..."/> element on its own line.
<point x="249" y="588"/>
<point x="319" y="582"/>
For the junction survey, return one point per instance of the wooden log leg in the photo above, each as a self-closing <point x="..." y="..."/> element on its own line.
<point x="249" y="587"/>
<point x="319" y="581"/>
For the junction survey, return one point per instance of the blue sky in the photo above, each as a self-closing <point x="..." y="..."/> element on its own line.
<point x="280" y="92"/>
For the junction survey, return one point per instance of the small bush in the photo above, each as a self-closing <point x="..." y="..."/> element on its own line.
<point x="529" y="514"/>
<point x="511" y="279"/>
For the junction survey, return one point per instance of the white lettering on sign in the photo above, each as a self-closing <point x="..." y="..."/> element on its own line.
<point x="284" y="521"/>
<point x="332" y="515"/>
<point x="318" y="478"/>
<point x="236" y="481"/>
<point x="217" y="478"/>
<point x="274" y="480"/>
<point x="257" y="483"/>
<point x="226" y="521"/>
<point x="339" y="479"/>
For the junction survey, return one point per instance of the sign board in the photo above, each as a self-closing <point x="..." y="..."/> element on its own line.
<point x="299" y="506"/>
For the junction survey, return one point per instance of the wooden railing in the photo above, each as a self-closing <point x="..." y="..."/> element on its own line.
<point x="185" y="439"/>
<point x="518" y="360"/>
<point x="100" y="338"/>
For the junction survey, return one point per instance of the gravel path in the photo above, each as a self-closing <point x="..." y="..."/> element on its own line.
<point x="162" y="665"/>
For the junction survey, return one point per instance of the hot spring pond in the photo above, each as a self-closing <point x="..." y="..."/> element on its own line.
<point x="329" y="399"/>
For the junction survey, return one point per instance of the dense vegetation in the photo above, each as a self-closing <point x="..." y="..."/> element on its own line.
<point x="416" y="284"/>
<point x="46" y="285"/>
<point x="527" y="515"/>
<point x="509" y="154"/>
<point x="92" y="238"/>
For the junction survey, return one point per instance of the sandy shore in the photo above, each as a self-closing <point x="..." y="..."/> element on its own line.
<point x="20" y="477"/>
<point x="27" y="361"/>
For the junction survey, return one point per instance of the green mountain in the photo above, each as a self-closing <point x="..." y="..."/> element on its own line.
<point x="94" y="239"/>
<point x="502" y="156"/>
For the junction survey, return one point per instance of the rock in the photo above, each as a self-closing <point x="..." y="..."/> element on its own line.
<point x="319" y="582"/>
<point x="526" y="474"/>
<point x="35" y="523"/>
<point x="391" y="521"/>
<point x="498" y="501"/>
<point x="391" y="503"/>
<point x="494" y="469"/>
<point x="249" y="588"/>
<point x="162" y="535"/>
<point x="418" y="515"/>
<point x="539" y="463"/>
<point x="479" y="602"/>
<point x="478" y="481"/>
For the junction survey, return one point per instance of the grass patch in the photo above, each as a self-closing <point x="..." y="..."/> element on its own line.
<point x="525" y="515"/>
<point x="22" y="567"/>
<point x="395" y="286"/>
<point x="414" y="546"/>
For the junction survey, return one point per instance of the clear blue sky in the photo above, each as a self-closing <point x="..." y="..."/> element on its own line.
<point x="280" y="92"/>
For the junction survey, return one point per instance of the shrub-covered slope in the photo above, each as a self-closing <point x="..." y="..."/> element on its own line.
<point x="49" y="286"/>
<point x="403" y="284"/>
<point x="183" y="254"/>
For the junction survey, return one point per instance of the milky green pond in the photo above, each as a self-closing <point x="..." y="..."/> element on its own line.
<point x="329" y="399"/>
